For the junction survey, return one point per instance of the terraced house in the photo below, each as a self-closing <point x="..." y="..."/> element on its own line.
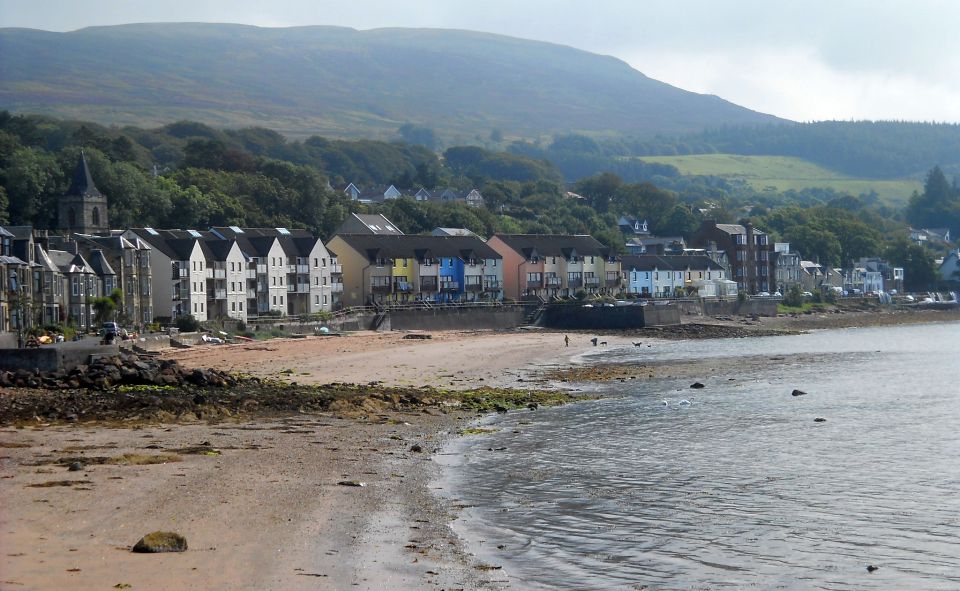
<point x="388" y="268"/>
<point x="667" y="276"/>
<point x="556" y="265"/>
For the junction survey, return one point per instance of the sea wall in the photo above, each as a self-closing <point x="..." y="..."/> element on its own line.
<point x="456" y="318"/>
<point x="615" y="317"/>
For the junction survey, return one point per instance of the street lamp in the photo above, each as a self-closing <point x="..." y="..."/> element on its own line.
<point x="15" y="291"/>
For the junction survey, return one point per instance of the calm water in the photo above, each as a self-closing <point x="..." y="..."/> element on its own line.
<point x="740" y="489"/>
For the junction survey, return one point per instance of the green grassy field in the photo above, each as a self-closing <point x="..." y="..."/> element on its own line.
<point x="781" y="173"/>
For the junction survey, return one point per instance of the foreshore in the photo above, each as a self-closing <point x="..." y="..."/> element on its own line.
<point x="258" y="497"/>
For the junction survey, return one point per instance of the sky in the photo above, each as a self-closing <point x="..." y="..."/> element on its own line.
<point x="805" y="60"/>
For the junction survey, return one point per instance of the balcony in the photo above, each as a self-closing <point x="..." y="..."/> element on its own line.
<point x="219" y="294"/>
<point x="472" y="283"/>
<point x="208" y="273"/>
<point x="303" y="269"/>
<point x="574" y="283"/>
<point x="492" y="285"/>
<point x="381" y="284"/>
<point x="552" y="281"/>
<point x="402" y="286"/>
<point x="291" y="288"/>
<point x="251" y="274"/>
<point x="428" y="283"/>
<point x="449" y="285"/>
<point x="336" y="287"/>
<point x="613" y="281"/>
<point x="534" y="283"/>
<point x="591" y="281"/>
<point x="251" y="294"/>
<point x="303" y="288"/>
<point x="219" y="274"/>
<point x="336" y="269"/>
<point x="261" y="269"/>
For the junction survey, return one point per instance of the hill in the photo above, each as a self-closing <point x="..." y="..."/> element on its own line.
<point x="783" y="173"/>
<point x="343" y="82"/>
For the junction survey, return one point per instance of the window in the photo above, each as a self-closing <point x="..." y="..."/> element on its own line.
<point x="75" y="286"/>
<point x="316" y="299"/>
<point x="315" y="265"/>
<point x="324" y="300"/>
<point x="233" y="306"/>
<point x="274" y="300"/>
<point x="281" y="300"/>
<point x="240" y="306"/>
<point x="194" y="306"/>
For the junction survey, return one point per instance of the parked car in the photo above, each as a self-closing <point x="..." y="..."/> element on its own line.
<point x="807" y="294"/>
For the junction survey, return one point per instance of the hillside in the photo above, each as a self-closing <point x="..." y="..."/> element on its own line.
<point x="342" y="82"/>
<point x="782" y="173"/>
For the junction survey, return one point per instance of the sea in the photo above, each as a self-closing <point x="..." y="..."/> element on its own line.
<point x="736" y="485"/>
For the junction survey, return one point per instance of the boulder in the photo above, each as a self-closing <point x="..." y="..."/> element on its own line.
<point x="161" y="541"/>
<point x="697" y="385"/>
<point x="798" y="393"/>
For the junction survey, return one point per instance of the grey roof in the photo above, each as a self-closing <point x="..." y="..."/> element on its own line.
<point x="20" y="232"/>
<point x="737" y="229"/>
<point x="669" y="262"/>
<point x="82" y="183"/>
<point x="67" y="262"/>
<point x="406" y="246"/>
<point x="99" y="263"/>
<point x="175" y="244"/>
<point x="368" y="223"/>
<point x="452" y="232"/>
<point x="554" y="245"/>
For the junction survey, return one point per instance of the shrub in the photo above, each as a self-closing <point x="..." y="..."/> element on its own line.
<point x="187" y="323"/>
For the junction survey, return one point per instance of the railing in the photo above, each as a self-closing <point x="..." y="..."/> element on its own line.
<point x="591" y="281"/>
<point x="428" y="284"/>
<point x="303" y="288"/>
<point x="380" y="287"/>
<point x="574" y="283"/>
<point x="336" y="269"/>
<point x="534" y="283"/>
<point x="449" y="285"/>
<point x="553" y="282"/>
<point x="492" y="285"/>
<point x="251" y="294"/>
<point x="402" y="286"/>
<point x="208" y="273"/>
<point x="251" y="274"/>
<point x="220" y="294"/>
<point x="469" y="285"/>
<point x="336" y="287"/>
<point x="303" y="269"/>
<point x="261" y="269"/>
<point x="291" y="288"/>
<point x="219" y="273"/>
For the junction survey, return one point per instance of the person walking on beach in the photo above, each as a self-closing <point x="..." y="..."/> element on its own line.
<point x="566" y="339"/>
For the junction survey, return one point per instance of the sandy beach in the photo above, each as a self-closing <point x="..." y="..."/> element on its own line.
<point x="259" y="501"/>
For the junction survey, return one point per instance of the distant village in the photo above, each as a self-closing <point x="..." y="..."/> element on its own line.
<point x="242" y="274"/>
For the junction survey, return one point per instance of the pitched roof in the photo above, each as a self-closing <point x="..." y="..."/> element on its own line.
<point x="406" y="246"/>
<point x="737" y="229"/>
<point x="549" y="245"/>
<point x="67" y="262"/>
<point x="367" y="223"/>
<point x="99" y="263"/>
<point x="669" y="262"/>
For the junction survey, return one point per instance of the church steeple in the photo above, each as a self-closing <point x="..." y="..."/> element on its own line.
<point x="84" y="208"/>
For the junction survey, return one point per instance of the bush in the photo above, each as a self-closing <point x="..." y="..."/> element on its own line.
<point x="793" y="297"/>
<point x="187" y="323"/>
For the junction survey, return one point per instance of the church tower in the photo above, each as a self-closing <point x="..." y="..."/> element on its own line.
<point x="83" y="209"/>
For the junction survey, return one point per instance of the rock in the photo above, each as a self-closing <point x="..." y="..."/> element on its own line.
<point x="697" y="385"/>
<point x="351" y="483"/>
<point x="798" y="393"/>
<point x="533" y="406"/>
<point x="76" y="466"/>
<point x="161" y="541"/>
<point x="416" y="448"/>
<point x="819" y="420"/>
<point x="871" y="568"/>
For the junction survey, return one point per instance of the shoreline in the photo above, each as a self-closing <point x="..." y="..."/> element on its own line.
<point x="266" y="512"/>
